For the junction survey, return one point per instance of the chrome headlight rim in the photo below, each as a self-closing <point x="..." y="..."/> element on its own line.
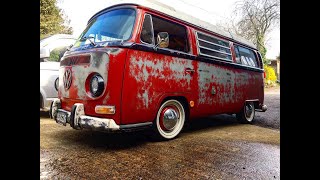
<point x="100" y="85"/>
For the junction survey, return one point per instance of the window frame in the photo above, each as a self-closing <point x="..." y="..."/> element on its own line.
<point x="144" y="18"/>
<point x="170" y="21"/>
<point x="260" y="59"/>
<point x="215" y="37"/>
<point x="102" y="12"/>
<point x="253" y="52"/>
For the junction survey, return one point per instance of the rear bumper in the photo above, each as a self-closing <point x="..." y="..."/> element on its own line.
<point x="78" y="120"/>
<point x="262" y="108"/>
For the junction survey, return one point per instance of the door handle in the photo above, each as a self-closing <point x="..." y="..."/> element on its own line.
<point x="189" y="70"/>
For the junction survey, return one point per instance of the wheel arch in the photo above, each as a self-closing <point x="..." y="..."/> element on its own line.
<point x="182" y="99"/>
<point x="255" y="102"/>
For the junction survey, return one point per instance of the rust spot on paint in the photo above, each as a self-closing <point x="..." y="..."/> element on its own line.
<point x="80" y="72"/>
<point x="169" y="71"/>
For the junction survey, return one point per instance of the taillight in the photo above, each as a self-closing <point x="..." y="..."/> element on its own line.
<point x="264" y="74"/>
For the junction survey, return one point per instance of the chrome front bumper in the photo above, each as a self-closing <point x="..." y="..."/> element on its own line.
<point x="78" y="120"/>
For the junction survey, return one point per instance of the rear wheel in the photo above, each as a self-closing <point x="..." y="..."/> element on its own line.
<point x="247" y="113"/>
<point x="170" y="120"/>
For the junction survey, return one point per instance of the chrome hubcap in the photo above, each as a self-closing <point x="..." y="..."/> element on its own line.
<point x="170" y="118"/>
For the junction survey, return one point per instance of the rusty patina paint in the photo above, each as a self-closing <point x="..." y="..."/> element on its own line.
<point x="148" y="78"/>
<point x="100" y="62"/>
<point x="147" y="71"/>
<point x="137" y="81"/>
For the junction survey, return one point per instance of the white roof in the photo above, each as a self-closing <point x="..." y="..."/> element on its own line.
<point x="162" y="8"/>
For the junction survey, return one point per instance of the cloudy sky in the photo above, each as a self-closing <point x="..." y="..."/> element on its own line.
<point x="213" y="11"/>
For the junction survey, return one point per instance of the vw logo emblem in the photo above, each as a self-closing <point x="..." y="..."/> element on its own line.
<point x="67" y="79"/>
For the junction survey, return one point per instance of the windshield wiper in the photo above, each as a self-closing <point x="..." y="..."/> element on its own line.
<point x="88" y="38"/>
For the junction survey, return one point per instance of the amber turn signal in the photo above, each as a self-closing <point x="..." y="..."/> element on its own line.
<point x="100" y="109"/>
<point x="191" y="103"/>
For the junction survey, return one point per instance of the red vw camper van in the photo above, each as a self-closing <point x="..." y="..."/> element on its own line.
<point x="147" y="65"/>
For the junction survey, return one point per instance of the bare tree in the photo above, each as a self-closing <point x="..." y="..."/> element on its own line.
<point x="253" y="19"/>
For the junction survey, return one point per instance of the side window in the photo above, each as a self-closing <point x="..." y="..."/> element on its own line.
<point x="177" y="33"/>
<point x="147" y="32"/>
<point x="243" y="60"/>
<point x="213" y="47"/>
<point x="152" y="25"/>
<point x="247" y="56"/>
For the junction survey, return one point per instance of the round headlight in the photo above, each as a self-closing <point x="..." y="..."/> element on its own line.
<point x="96" y="85"/>
<point x="56" y="84"/>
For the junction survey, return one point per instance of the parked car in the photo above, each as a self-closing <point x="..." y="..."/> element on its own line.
<point x="51" y="50"/>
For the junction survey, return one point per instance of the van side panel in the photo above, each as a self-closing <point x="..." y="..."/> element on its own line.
<point x="232" y="85"/>
<point x="150" y="77"/>
<point x="217" y="89"/>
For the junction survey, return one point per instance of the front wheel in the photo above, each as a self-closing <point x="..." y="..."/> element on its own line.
<point x="247" y="113"/>
<point x="170" y="120"/>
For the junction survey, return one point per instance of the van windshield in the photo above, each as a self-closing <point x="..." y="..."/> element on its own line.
<point x="115" y="25"/>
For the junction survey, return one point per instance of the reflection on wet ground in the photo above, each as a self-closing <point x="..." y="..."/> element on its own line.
<point x="210" y="148"/>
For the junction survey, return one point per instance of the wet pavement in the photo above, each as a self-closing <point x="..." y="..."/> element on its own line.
<point x="270" y="118"/>
<point x="212" y="148"/>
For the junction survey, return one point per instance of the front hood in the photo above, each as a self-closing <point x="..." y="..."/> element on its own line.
<point x="81" y="66"/>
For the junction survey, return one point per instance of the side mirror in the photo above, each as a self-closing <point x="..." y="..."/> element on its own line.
<point x="162" y="40"/>
<point x="44" y="53"/>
